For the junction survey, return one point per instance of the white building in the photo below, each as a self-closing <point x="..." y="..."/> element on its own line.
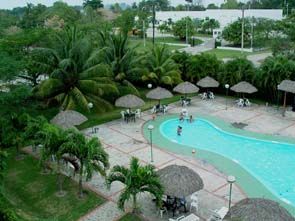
<point x="224" y="16"/>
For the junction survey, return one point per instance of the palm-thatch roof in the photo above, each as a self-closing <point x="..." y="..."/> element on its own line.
<point x="244" y="87"/>
<point x="68" y="119"/>
<point x="180" y="181"/>
<point x="129" y="101"/>
<point x="254" y="209"/>
<point x="159" y="93"/>
<point x="208" y="82"/>
<point x="186" y="88"/>
<point x="287" y="86"/>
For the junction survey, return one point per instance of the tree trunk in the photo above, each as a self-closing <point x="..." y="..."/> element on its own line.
<point x="134" y="203"/>
<point x="59" y="178"/>
<point x="80" y="180"/>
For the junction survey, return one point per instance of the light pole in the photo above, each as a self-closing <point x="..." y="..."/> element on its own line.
<point x="186" y="25"/>
<point x="154" y="21"/>
<point x="90" y="106"/>
<point x="243" y="27"/>
<point x="150" y="128"/>
<point x="230" y="179"/>
<point x="143" y="30"/>
<point x="278" y="98"/>
<point x="226" y="87"/>
<point x="150" y="87"/>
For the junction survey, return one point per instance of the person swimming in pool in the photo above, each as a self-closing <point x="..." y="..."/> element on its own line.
<point x="179" y="130"/>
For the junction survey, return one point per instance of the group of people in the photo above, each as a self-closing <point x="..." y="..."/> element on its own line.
<point x="174" y="203"/>
<point x="181" y="119"/>
<point x="207" y="95"/>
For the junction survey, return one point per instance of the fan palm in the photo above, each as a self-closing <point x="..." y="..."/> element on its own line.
<point x="162" y="69"/>
<point x="138" y="179"/>
<point x="91" y="155"/>
<point x="76" y="78"/>
<point x="122" y="58"/>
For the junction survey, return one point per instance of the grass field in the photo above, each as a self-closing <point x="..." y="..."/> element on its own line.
<point x="33" y="195"/>
<point x="220" y="53"/>
<point x="130" y="217"/>
<point x="158" y="41"/>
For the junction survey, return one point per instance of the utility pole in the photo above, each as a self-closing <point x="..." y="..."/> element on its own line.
<point x="186" y="24"/>
<point x="243" y="27"/>
<point x="154" y="21"/>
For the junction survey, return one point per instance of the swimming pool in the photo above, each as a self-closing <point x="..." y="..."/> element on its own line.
<point x="271" y="162"/>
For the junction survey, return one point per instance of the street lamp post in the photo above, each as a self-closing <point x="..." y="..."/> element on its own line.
<point x="226" y="87"/>
<point x="150" y="87"/>
<point x="243" y="28"/>
<point x="278" y="98"/>
<point x="154" y="21"/>
<point x="230" y="179"/>
<point x="90" y="106"/>
<point x="150" y="128"/>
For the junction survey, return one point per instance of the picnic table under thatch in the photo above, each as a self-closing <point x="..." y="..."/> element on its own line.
<point x="186" y="88"/>
<point x="208" y="82"/>
<point x="254" y="209"/>
<point x="68" y="119"/>
<point x="244" y="87"/>
<point x="129" y="101"/>
<point x="180" y="181"/>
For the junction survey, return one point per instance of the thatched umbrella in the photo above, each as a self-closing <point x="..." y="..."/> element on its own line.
<point x="180" y="181"/>
<point x="286" y="86"/>
<point x="254" y="209"/>
<point x="68" y="119"/>
<point x="129" y="101"/>
<point x="186" y="88"/>
<point x="244" y="87"/>
<point x="208" y="82"/>
<point x="159" y="93"/>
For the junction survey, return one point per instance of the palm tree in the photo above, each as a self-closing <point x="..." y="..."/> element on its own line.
<point x="76" y="77"/>
<point x="52" y="138"/>
<point x="123" y="59"/>
<point x="90" y="153"/>
<point x="138" y="179"/>
<point x="162" y="69"/>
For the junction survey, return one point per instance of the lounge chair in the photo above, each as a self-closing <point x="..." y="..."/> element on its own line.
<point x="211" y="95"/>
<point x="165" y="109"/>
<point x="240" y="103"/>
<point x="153" y="110"/>
<point x="247" y="103"/>
<point x="204" y="96"/>
<point x="138" y="113"/>
<point x="218" y="215"/>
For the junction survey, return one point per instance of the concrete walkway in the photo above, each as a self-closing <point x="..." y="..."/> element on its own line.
<point x="207" y="45"/>
<point x="123" y="141"/>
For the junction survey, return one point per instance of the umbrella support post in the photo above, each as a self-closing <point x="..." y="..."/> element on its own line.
<point x="284" y="108"/>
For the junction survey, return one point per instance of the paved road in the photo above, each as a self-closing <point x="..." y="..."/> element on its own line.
<point x="207" y="45"/>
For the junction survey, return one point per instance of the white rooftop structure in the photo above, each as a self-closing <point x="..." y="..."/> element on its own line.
<point x="224" y="16"/>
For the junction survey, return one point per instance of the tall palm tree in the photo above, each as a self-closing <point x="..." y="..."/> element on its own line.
<point x="138" y="179"/>
<point x="90" y="153"/>
<point x="76" y="77"/>
<point x="162" y="69"/>
<point x="52" y="138"/>
<point x="123" y="59"/>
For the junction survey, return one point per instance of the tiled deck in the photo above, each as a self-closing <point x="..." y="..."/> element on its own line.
<point x="123" y="141"/>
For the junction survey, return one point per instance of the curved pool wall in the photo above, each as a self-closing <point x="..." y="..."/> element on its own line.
<point x="249" y="183"/>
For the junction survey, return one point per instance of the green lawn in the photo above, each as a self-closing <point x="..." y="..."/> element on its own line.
<point x="134" y="41"/>
<point x="130" y="217"/>
<point x="100" y="118"/>
<point x="33" y="195"/>
<point x="220" y="53"/>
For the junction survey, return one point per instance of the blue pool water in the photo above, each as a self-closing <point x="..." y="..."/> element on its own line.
<point x="271" y="162"/>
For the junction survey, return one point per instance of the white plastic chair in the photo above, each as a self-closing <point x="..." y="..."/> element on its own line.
<point x="240" y="103"/>
<point x="153" y="110"/>
<point x="138" y="113"/>
<point x="247" y="103"/>
<point x="218" y="215"/>
<point x="123" y="115"/>
<point x="204" y="96"/>
<point x="165" y="109"/>
<point x="211" y="95"/>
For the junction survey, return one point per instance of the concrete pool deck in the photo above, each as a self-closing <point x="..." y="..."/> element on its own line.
<point x="123" y="141"/>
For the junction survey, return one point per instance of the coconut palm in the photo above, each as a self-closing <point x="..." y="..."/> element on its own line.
<point x="122" y="58"/>
<point x="76" y="78"/>
<point x="91" y="155"/>
<point x="138" y="179"/>
<point x="162" y="69"/>
<point x="273" y="71"/>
